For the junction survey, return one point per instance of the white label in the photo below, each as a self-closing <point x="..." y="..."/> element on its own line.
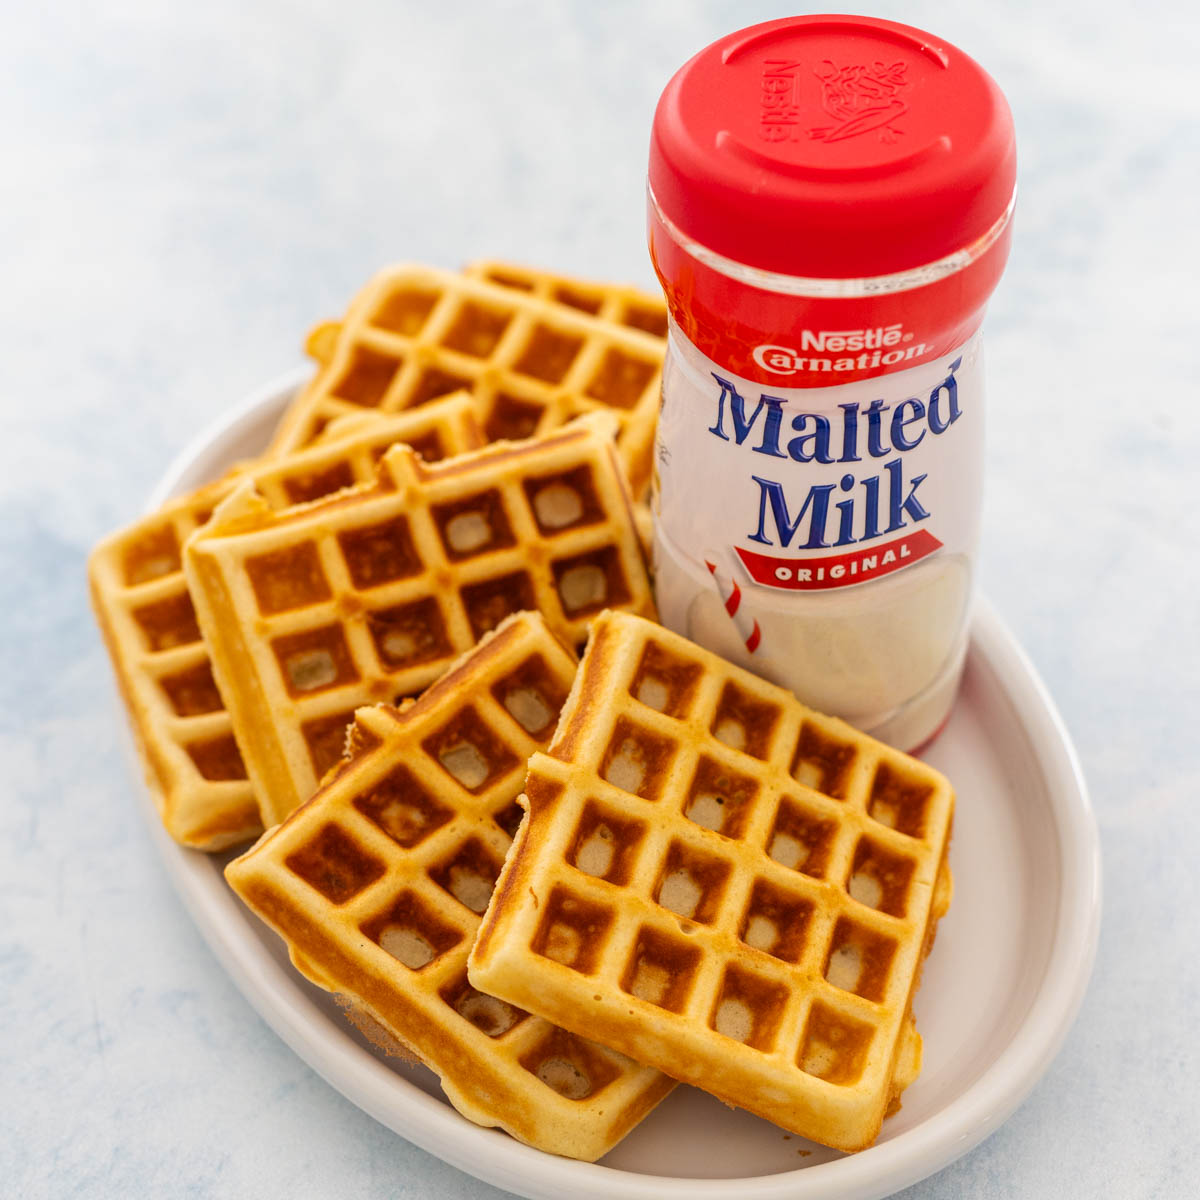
<point x="823" y="537"/>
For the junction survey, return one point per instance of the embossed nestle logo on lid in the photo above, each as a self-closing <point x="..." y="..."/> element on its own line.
<point x="857" y="98"/>
<point x="780" y="109"/>
<point x="861" y="98"/>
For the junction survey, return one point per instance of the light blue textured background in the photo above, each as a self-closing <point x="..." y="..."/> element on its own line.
<point x="187" y="187"/>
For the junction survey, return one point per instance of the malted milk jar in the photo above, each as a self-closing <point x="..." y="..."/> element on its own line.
<point x="829" y="211"/>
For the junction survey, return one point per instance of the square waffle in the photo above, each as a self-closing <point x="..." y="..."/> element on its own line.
<point x="414" y="333"/>
<point x="614" y="302"/>
<point x="723" y="884"/>
<point x="140" y="597"/>
<point x="377" y="884"/>
<point x="371" y="594"/>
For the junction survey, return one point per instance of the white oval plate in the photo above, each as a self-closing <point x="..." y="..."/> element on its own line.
<point x="1000" y="990"/>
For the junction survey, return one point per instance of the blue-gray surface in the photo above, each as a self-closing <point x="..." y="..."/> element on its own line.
<point x="189" y="186"/>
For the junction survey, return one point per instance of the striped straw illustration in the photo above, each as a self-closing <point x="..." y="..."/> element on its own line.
<point x="731" y="595"/>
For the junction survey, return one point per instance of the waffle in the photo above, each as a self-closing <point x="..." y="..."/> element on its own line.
<point x="370" y="595"/>
<point x="622" y="305"/>
<point x="414" y="333"/>
<point x="182" y="730"/>
<point x="725" y="885"/>
<point x="378" y="881"/>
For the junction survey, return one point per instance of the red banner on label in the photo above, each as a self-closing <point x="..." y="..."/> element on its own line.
<point x="811" y="574"/>
<point x="793" y="341"/>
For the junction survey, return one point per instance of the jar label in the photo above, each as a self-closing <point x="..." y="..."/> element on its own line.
<point x="822" y="534"/>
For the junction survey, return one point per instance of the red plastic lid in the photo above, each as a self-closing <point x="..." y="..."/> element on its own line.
<point x="832" y="147"/>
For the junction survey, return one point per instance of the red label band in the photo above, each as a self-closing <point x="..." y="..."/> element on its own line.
<point x="813" y="574"/>
<point x="785" y="341"/>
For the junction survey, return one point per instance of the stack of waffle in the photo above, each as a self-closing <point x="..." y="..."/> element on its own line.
<point x="534" y="357"/>
<point x="364" y="643"/>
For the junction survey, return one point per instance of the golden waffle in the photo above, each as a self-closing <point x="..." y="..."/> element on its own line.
<point x="414" y="333"/>
<point x="371" y="594"/>
<point x="619" y="303"/>
<point x="190" y="759"/>
<point x="615" y="302"/>
<point x="378" y="881"/>
<point x="725" y="885"/>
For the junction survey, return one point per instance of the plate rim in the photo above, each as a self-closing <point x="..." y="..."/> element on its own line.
<point x="883" y="1169"/>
